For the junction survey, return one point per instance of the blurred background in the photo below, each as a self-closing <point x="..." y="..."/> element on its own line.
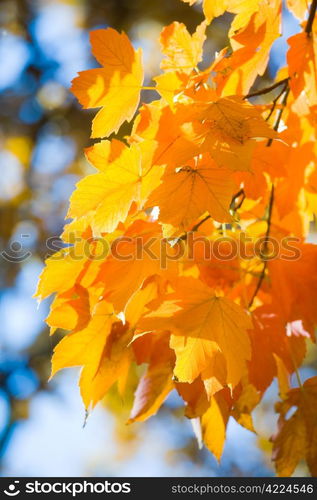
<point x="43" y="131"/>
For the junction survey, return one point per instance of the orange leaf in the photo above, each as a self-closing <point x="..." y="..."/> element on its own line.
<point x="183" y="51"/>
<point x="188" y="192"/>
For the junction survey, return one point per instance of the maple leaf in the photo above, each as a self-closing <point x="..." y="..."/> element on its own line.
<point x="62" y="270"/>
<point x="296" y="436"/>
<point x="302" y="65"/>
<point x="156" y="383"/>
<point x="85" y="347"/>
<point x="70" y="310"/>
<point x="194" y="396"/>
<point x="159" y="124"/>
<point x="297" y="7"/>
<point x="188" y="192"/>
<point x="183" y="51"/>
<point x="113" y="366"/>
<point x="229" y="127"/>
<point x="204" y="325"/>
<point x="246" y="399"/>
<point x="169" y="84"/>
<point x="214" y="423"/>
<point x="293" y="280"/>
<point x="215" y="8"/>
<point x="133" y="269"/>
<point x="109" y="194"/>
<point x="252" y="34"/>
<point x="116" y="86"/>
<point x="270" y="337"/>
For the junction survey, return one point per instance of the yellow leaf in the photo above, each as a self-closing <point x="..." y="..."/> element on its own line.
<point x="155" y="384"/>
<point x="116" y="86"/>
<point x="113" y="366"/>
<point x="213" y="424"/>
<point x="110" y="193"/>
<point x="85" y="347"/>
<point x="168" y="85"/>
<point x="104" y="152"/>
<point x="228" y="127"/>
<point x="282" y="377"/>
<point x="205" y="323"/>
<point x="183" y="51"/>
<point x="62" y="270"/>
<point x="188" y="192"/>
<point x="298" y="8"/>
<point x="70" y="310"/>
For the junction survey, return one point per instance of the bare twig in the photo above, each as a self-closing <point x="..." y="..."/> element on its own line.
<point x="311" y="17"/>
<point x="240" y="194"/>
<point x="267" y="90"/>
<point x="266" y="240"/>
<point x="271" y="203"/>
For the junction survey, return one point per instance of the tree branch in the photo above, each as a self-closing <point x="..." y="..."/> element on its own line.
<point x="311" y="17"/>
<point x="271" y="202"/>
<point x="269" y="89"/>
<point x="233" y="205"/>
<point x="266" y="239"/>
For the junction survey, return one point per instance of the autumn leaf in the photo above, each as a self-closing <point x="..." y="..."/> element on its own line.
<point x="291" y="281"/>
<point x="118" y="185"/>
<point x="133" y="267"/>
<point x="166" y="276"/>
<point x="245" y="401"/>
<point x="70" y="310"/>
<point x="296" y="437"/>
<point x="302" y="61"/>
<point x="214" y="423"/>
<point x="205" y="324"/>
<point x="183" y="52"/>
<point x="116" y="86"/>
<point x="273" y="337"/>
<point x="85" y="347"/>
<point x="156" y="383"/>
<point x="188" y="192"/>
<point x="215" y="8"/>
<point x="252" y="35"/>
<point x="298" y="8"/>
<point x="229" y="127"/>
<point x="61" y="270"/>
<point x="194" y="397"/>
<point x="113" y="366"/>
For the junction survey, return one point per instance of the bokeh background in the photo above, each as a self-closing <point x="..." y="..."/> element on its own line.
<point x="43" y="132"/>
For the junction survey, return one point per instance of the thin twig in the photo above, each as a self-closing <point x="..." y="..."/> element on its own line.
<point x="197" y="226"/>
<point x="233" y="205"/>
<point x="267" y="90"/>
<point x="194" y="228"/>
<point x="270" y="206"/>
<point x="311" y="17"/>
<point x="275" y="101"/>
<point x="266" y="240"/>
<point x="280" y="113"/>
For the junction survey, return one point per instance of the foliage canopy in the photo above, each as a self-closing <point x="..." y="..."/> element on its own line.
<point x="196" y="224"/>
